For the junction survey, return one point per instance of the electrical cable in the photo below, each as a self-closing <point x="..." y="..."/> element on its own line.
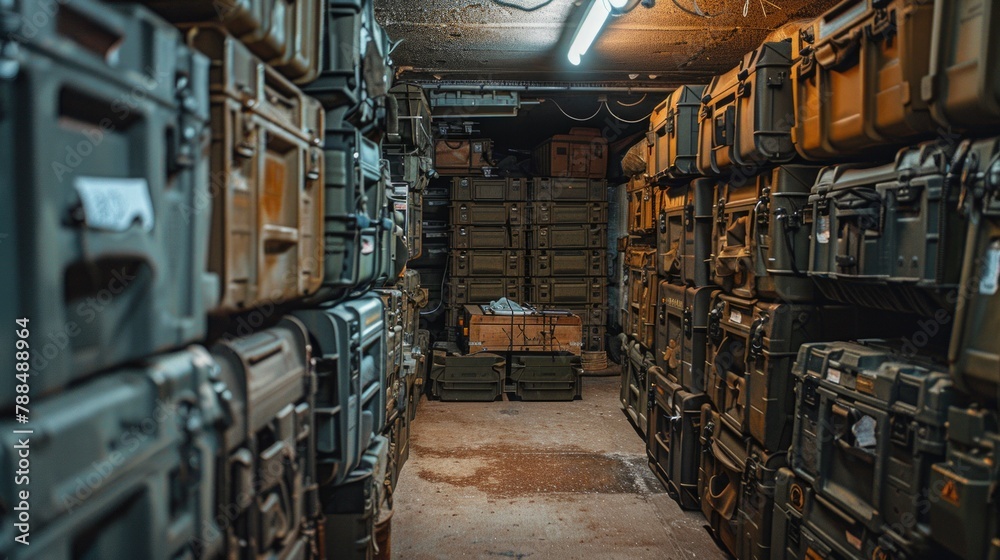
<point x="506" y="4"/>
<point x="568" y="116"/>
<point x="632" y="104"/>
<point x="626" y="120"/>
<point x="697" y="11"/>
<point x="444" y="280"/>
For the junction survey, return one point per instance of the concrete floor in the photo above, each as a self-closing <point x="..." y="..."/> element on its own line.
<point x="537" y="480"/>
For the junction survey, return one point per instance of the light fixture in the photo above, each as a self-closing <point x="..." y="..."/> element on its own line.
<point x="591" y="25"/>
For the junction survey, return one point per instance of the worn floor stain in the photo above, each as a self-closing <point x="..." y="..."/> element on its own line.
<point x="526" y="480"/>
<point x="506" y="471"/>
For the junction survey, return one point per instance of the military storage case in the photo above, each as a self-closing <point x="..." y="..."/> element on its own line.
<point x="465" y="290"/>
<point x="351" y="509"/>
<point x="670" y="329"/>
<point x="267" y="240"/>
<point x="961" y="85"/>
<point x="487" y="237"/>
<point x="458" y="377"/>
<point x="642" y="307"/>
<point x="354" y="205"/>
<point x="408" y="212"/>
<point x="888" y="236"/>
<point x="155" y="485"/>
<point x="558" y="189"/>
<point x="486" y="213"/>
<point x="267" y="443"/>
<point x="681" y="328"/>
<point x="753" y="346"/>
<point x="641" y="206"/>
<point x="546" y="212"/>
<point x="737" y="483"/>
<point x="746" y="114"/>
<point x="857" y="78"/>
<point x="697" y="248"/>
<point x="636" y="366"/>
<point x="577" y="263"/>
<point x="673" y="135"/>
<point x="568" y="291"/>
<point x="761" y="246"/>
<point x="488" y="262"/>
<point x="414" y="118"/>
<point x="350" y="390"/>
<point x="546" y="377"/>
<point x="462" y="157"/>
<point x="581" y="153"/>
<point x="339" y="86"/>
<point x="963" y="515"/>
<point x="108" y="219"/>
<point x="879" y="432"/>
<point x="673" y="437"/>
<point x="672" y="216"/>
<point x="975" y="350"/>
<point x="568" y="236"/>
<point x="285" y="35"/>
<point x="480" y="189"/>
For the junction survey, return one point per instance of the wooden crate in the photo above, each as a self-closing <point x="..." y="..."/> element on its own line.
<point x="532" y="331"/>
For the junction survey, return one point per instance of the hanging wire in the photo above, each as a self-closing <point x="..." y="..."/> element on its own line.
<point x="626" y="120"/>
<point x="522" y="8"/>
<point x="696" y="10"/>
<point x="568" y="116"/>
<point x="632" y="104"/>
<point x="444" y="279"/>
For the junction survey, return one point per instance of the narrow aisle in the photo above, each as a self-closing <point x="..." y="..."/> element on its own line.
<point x="537" y="480"/>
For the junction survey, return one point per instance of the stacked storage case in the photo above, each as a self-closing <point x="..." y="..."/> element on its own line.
<point x="224" y="184"/>
<point x="540" y="242"/>
<point x="791" y="445"/>
<point x="672" y="320"/>
<point x="567" y="251"/>
<point x="869" y="425"/>
<point x="762" y="255"/>
<point x="434" y="258"/>
<point x="487" y="260"/>
<point x="118" y="205"/>
<point x="640" y="283"/>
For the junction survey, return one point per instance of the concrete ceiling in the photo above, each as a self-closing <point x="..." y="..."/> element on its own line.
<point x="485" y="40"/>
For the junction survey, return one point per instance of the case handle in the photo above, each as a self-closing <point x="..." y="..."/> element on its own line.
<point x="840" y="52"/>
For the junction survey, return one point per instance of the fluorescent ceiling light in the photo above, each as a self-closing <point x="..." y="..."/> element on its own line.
<point x="591" y="25"/>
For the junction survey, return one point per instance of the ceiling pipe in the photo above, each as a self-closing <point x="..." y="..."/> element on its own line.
<point x="569" y="88"/>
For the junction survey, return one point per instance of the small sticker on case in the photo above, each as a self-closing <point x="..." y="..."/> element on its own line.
<point x="989" y="279"/>
<point x="823" y="230"/>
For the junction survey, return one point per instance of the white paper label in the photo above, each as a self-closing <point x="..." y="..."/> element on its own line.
<point x="823" y="230"/>
<point x="864" y="432"/>
<point x="735" y="316"/>
<point x="989" y="280"/>
<point x="114" y="204"/>
<point x="833" y="375"/>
